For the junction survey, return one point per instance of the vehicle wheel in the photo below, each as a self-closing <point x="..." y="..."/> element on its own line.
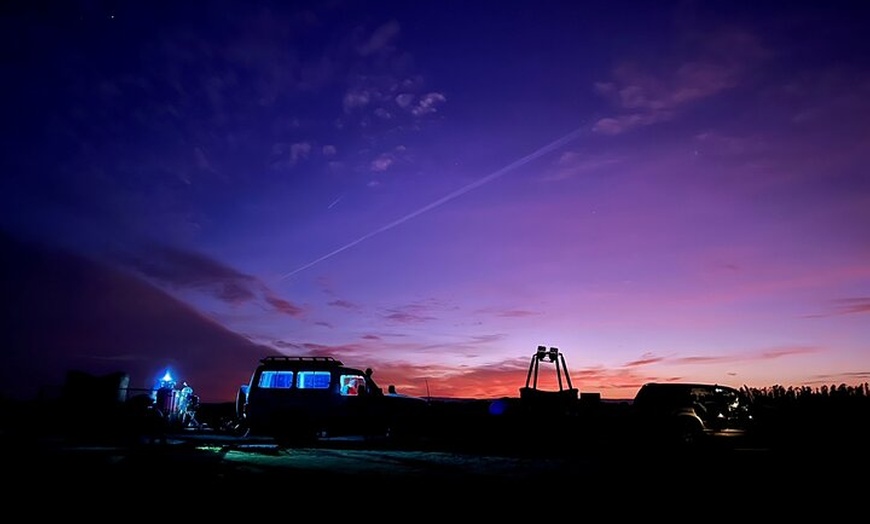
<point x="241" y="401"/>
<point x="687" y="433"/>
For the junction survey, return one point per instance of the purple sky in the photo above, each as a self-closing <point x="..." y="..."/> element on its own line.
<point x="663" y="190"/>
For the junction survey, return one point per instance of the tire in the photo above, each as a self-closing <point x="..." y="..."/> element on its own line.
<point x="241" y="401"/>
<point x="686" y="433"/>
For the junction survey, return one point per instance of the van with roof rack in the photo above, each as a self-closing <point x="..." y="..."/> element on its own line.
<point x="305" y="398"/>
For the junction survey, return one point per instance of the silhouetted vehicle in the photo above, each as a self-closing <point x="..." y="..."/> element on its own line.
<point x="691" y="414"/>
<point x="305" y="398"/>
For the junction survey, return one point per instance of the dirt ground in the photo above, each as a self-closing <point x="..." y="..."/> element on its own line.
<point x="230" y="476"/>
<point x="105" y="475"/>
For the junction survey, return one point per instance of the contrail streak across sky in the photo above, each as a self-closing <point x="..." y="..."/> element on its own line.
<point x="573" y="135"/>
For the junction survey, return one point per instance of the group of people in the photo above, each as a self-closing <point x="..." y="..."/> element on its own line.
<point x="370" y="387"/>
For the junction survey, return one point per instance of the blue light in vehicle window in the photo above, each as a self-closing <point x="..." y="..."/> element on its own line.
<point x="276" y="380"/>
<point x="283" y="380"/>
<point x="266" y="379"/>
<point x="313" y="380"/>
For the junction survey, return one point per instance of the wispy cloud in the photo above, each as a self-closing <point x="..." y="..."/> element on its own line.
<point x="187" y="270"/>
<point x="382" y="163"/>
<point x="379" y="40"/>
<point x="408" y="317"/>
<point x="282" y="306"/>
<point x="344" y="304"/>
<point x="846" y="306"/>
<point x="574" y="163"/>
<point x="422" y="311"/>
<point x="785" y="351"/>
<point x="285" y="156"/>
<point x="428" y="104"/>
<point x="849" y="378"/>
<point x="647" y="94"/>
<point x="700" y="359"/>
<point x="650" y="359"/>
<point x="507" y="312"/>
<point x="645" y="360"/>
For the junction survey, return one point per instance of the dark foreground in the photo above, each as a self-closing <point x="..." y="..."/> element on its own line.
<point x="82" y="464"/>
<point x="210" y="476"/>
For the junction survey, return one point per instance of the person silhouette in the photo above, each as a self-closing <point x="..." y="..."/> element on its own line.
<point x="371" y="386"/>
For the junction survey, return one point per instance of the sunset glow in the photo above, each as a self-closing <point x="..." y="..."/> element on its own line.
<point x="664" y="191"/>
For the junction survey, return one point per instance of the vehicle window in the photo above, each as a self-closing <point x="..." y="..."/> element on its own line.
<point x="729" y="398"/>
<point x="276" y="380"/>
<point x="313" y="380"/>
<point x="351" y="384"/>
<point x="700" y="395"/>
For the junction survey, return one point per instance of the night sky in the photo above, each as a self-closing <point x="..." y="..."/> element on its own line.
<point x="665" y="191"/>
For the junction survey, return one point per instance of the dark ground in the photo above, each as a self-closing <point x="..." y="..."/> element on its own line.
<point x="102" y="469"/>
<point x="210" y="475"/>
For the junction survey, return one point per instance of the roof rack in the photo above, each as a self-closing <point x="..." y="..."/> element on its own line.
<point x="300" y="359"/>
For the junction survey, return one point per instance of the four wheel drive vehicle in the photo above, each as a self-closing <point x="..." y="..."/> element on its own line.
<point x="307" y="397"/>
<point x="688" y="414"/>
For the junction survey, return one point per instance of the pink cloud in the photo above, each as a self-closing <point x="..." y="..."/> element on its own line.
<point x="283" y="306"/>
<point x="780" y="352"/>
<point x="179" y="269"/>
<point x="848" y="306"/>
<point x="645" y="361"/>
<point x="517" y="313"/>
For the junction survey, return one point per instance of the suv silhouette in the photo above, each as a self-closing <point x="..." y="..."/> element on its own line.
<point x="690" y="414"/>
